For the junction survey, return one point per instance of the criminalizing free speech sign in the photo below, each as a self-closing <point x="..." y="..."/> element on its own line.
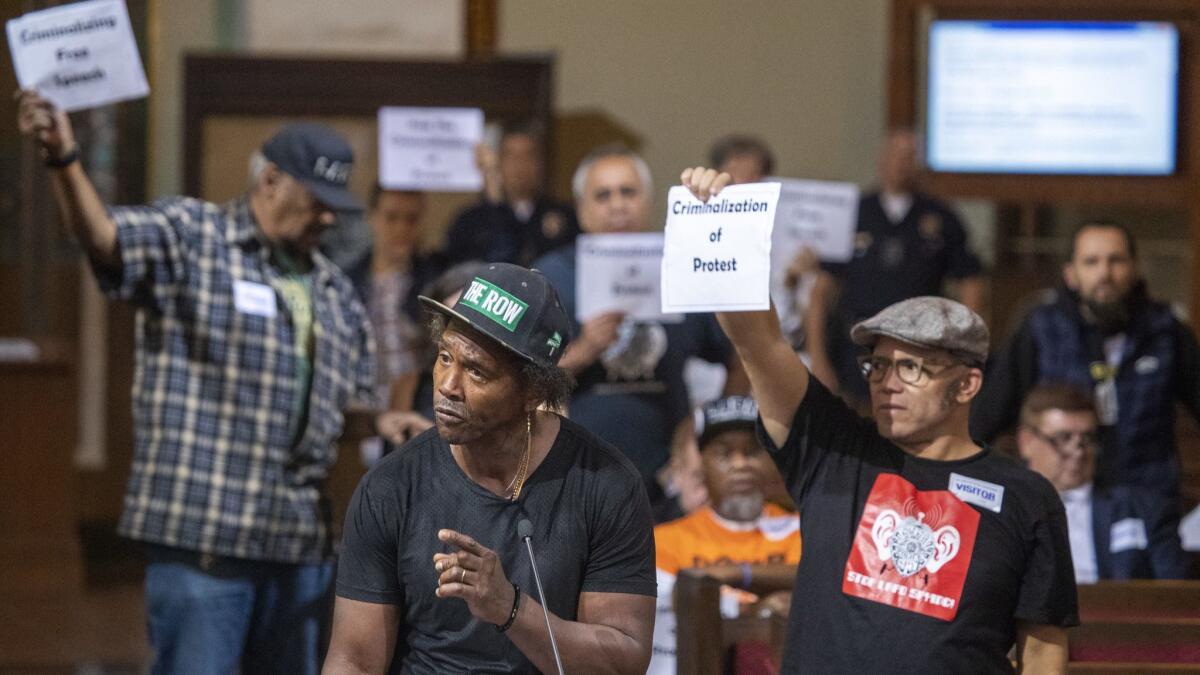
<point x="717" y="254"/>
<point x="78" y="56"/>
<point x="430" y="149"/>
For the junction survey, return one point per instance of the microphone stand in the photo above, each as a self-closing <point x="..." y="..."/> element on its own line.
<point x="537" y="580"/>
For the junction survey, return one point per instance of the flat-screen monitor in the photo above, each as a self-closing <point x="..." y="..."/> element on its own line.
<point x="1052" y="97"/>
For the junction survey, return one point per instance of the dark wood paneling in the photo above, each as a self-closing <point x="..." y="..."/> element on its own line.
<point x="506" y="89"/>
<point x="39" y="553"/>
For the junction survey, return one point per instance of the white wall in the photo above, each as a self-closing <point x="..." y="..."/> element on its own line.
<point x="175" y="28"/>
<point x="415" y="28"/>
<point x="806" y="75"/>
<point x="377" y="28"/>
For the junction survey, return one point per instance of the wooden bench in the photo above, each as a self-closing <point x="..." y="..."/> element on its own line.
<point x="703" y="637"/>
<point x="1127" y="626"/>
<point x="1139" y="599"/>
<point x="1126" y="668"/>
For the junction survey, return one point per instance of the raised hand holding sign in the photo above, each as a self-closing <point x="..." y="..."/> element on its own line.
<point x="78" y="56"/>
<point x="717" y="250"/>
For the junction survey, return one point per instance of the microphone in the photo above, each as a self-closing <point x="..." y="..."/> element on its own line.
<point x="525" y="532"/>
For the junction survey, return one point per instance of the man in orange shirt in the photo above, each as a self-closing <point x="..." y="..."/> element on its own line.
<point x="738" y="527"/>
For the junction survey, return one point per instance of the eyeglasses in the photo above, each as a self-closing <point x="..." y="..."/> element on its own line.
<point x="911" y="370"/>
<point x="1062" y="441"/>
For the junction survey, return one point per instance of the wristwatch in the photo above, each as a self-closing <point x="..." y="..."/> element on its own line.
<point x="64" y="160"/>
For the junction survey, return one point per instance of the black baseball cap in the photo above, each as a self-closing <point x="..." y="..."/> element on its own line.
<point x="731" y="412"/>
<point x="319" y="158"/>
<point x="514" y="306"/>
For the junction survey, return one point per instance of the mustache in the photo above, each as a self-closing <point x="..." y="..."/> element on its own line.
<point x="446" y="405"/>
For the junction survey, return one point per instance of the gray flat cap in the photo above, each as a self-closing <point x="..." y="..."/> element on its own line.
<point x="928" y="321"/>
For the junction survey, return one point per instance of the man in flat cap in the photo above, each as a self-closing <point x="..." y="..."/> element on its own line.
<point x="434" y="576"/>
<point x="923" y="551"/>
<point x="249" y="346"/>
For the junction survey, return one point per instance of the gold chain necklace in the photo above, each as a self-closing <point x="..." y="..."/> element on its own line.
<point x="518" y="481"/>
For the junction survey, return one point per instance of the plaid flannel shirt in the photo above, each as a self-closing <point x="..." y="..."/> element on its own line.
<point x="214" y="468"/>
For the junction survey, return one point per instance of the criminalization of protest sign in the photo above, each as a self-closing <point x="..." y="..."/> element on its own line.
<point x="717" y="254"/>
<point x="430" y="149"/>
<point x="820" y="215"/>
<point x="620" y="272"/>
<point x="78" y="56"/>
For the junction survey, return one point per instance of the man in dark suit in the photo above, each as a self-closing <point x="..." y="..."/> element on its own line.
<point x="1120" y="533"/>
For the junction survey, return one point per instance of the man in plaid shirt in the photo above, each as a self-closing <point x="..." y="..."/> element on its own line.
<point x="249" y="345"/>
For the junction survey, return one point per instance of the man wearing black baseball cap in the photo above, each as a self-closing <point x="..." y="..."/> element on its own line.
<point x="739" y="536"/>
<point x="923" y="552"/>
<point x="432" y="576"/>
<point x="249" y="344"/>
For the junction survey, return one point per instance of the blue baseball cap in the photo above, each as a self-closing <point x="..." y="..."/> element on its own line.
<point x="319" y="158"/>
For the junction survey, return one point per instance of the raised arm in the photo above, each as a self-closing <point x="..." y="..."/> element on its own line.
<point x="77" y="199"/>
<point x="815" y="325"/>
<point x="778" y="378"/>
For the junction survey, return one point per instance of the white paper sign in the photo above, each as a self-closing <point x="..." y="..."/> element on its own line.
<point x="717" y="255"/>
<point x="821" y="215"/>
<point x="78" y="56"/>
<point x="430" y="149"/>
<point x="620" y="272"/>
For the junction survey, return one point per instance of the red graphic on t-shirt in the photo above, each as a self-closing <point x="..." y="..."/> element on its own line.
<point x="912" y="549"/>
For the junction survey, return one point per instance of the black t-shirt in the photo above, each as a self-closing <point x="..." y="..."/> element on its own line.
<point x="592" y="532"/>
<point x="915" y="565"/>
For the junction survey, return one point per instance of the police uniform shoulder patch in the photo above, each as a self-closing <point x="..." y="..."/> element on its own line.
<point x="553" y="224"/>
<point x="930" y="226"/>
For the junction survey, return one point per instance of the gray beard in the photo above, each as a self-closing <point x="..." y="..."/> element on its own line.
<point x="741" y="508"/>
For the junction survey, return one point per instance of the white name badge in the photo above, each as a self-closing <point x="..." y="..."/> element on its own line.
<point x="717" y="254"/>
<point x="253" y="298"/>
<point x="1128" y="535"/>
<point x="978" y="492"/>
<point x="80" y="55"/>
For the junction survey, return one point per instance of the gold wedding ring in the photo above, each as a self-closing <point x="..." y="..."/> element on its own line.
<point x="462" y="578"/>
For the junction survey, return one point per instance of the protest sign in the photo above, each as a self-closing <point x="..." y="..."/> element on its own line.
<point x="717" y="254"/>
<point x="78" y="56"/>
<point x="430" y="149"/>
<point x="820" y="215"/>
<point x="620" y="272"/>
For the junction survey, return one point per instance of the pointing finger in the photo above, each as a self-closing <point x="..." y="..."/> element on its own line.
<point x="462" y="541"/>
